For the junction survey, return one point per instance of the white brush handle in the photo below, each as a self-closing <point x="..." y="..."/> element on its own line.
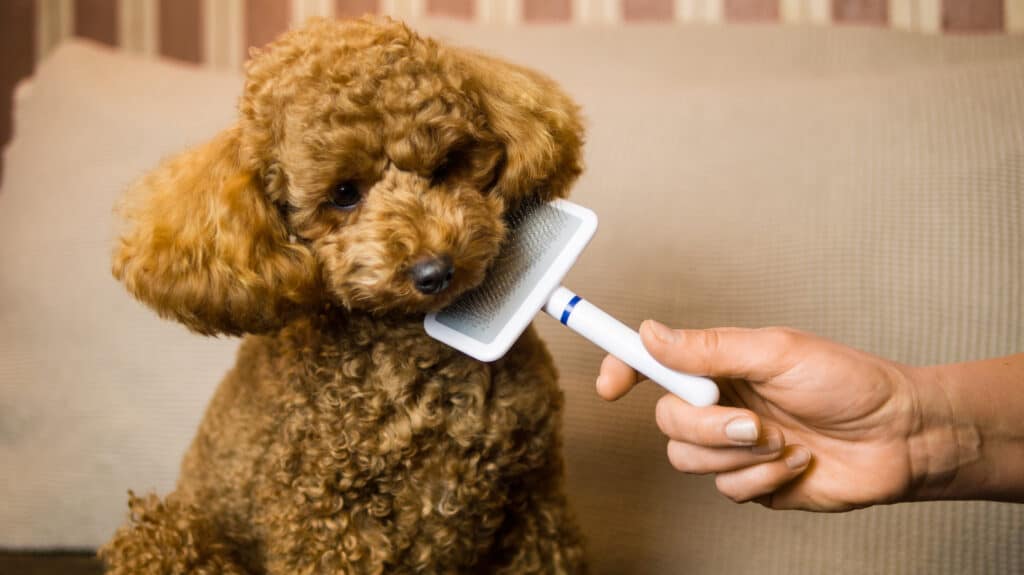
<point x="619" y="340"/>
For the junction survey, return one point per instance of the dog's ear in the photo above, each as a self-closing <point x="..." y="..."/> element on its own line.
<point x="538" y="124"/>
<point x="205" y="246"/>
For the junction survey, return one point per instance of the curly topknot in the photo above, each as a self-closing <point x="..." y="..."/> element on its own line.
<point x="236" y="236"/>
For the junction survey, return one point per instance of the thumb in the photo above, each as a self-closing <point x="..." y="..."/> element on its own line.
<point x="750" y="354"/>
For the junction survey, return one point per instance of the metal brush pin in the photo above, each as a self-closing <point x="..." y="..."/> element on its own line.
<point x="543" y="243"/>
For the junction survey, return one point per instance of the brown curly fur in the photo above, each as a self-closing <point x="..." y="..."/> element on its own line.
<point x="345" y="440"/>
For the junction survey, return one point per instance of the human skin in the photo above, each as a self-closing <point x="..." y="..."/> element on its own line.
<point x="807" y="423"/>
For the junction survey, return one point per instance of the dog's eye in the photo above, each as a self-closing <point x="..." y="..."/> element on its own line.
<point x="442" y="172"/>
<point x="345" y="195"/>
<point x="452" y="165"/>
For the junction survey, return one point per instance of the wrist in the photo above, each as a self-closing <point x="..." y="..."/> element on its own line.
<point x="968" y="438"/>
<point x="941" y="445"/>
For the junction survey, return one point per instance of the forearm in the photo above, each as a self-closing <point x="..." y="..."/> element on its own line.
<point x="968" y="441"/>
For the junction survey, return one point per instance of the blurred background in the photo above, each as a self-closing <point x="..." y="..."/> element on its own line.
<point x="853" y="168"/>
<point x="216" y="33"/>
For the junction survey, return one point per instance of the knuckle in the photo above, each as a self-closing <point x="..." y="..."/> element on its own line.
<point x="684" y="459"/>
<point x="664" y="415"/>
<point x="661" y="416"/>
<point x="764" y="474"/>
<point x="712" y="343"/>
<point x="677" y="459"/>
<point x="781" y="337"/>
<point x="726" y="486"/>
<point x="710" y="340"/>
<point x="708" y="431"/>
<point x="706" y="342"/>
<point x="783" y="340"/>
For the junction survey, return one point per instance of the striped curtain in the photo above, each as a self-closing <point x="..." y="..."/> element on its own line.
<point x="217" y="33"/>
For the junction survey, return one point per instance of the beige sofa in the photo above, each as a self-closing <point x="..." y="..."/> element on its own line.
<point x="865" y="185"/>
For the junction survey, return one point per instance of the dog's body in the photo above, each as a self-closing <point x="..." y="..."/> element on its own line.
<point x="345" y="440"/>
<point x="343" y="445"/>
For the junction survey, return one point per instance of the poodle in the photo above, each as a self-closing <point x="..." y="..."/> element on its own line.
<point x="365" y="184"/>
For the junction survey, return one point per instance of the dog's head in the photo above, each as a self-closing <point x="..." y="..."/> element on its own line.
<point x="370" y="169"/>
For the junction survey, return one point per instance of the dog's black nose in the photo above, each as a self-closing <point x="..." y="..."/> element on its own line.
<point x="431" y="276"/>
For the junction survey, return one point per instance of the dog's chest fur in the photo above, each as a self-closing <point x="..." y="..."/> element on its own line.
<point x="370" y="426"/>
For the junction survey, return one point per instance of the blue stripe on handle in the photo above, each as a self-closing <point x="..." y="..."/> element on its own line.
<point x="568" y="309"/>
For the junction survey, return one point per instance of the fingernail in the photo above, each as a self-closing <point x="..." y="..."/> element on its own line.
<point x="661" y="331"/>
<point x="771" y="444"/>
<point x="799" y="458"/>
<point x="599" y="382"/>
<point x="742" y="430"/>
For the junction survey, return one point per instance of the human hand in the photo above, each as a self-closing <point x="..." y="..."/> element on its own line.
<point x="806" y="423"/>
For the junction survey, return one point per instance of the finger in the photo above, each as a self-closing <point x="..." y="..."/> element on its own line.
<point x="751" y="354"/>
<point x="764" y="478"/>
<point x="690" y="458"/>
<point x="711" y="426"/>
<point x="615" y="379"/>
